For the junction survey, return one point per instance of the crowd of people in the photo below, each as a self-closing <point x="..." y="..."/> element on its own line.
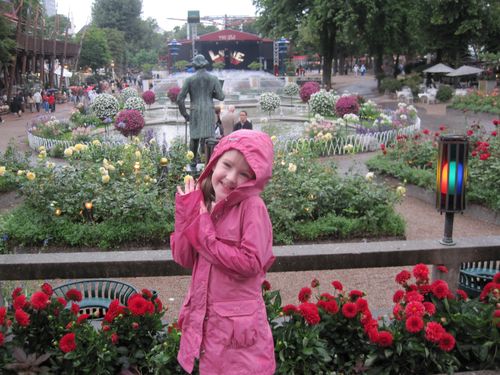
<point x="39" y="101"/>
<point x="229" y="121"/>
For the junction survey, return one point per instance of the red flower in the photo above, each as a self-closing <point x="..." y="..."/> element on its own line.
<point x="17" y="292"/>
<point x="20" y="302"/>
<point x="289" y="309"/>
<point x="330" y="306"/>
<point x="1" y="338"/>
<point x="470" y="132"/>
<point x="105" y="327"/>
<point x="484" y="156"/>
<point x="403" y="277"/>
<point x="434" y="331"/>
<point x="349" y="310"/>
<point x="421" y="272"/>
<point x="146" y="293"/>
<point x="414" y="324"/>
<point x="396" y="311"/>
<point x="266" y="285"/>
<point x="67" y="343"/>
<point x="373" y="334"/>
<point x="326" y="297"/>
<point x="437" y="134"/>
<point x="474" y="153"/>
<point x="382" y="146"/>
<point x="47" y="289"/>
<point x="355" y="294"/>
<point x="442" y="127"/>
<point x="304" y="294"/>
<point x="314" y="283"/>
<point x="447" y="342"/>
<point x="424" y="289"/>
<point x="82" y="318"/>
<point x="398" y="296"/>
<point x="361" y="304"/>
<point x="496" y="122"/>
<point x="337" y="285"/>
<point x="496" y="278"/>
<point x="440" y="289"/>
<point x="430" y="308"/>
<point x="62" y="301"/>
<point x="74" y="295"/>
<point x="384" y="339"/>
<point x="310" y="313"/>
<point x="3" y="313"/>
<point x="442" y="269"/>
<point x="415" y="308"/>
<point x="426" y="131"/>
<point x="22" y="317"/>
<point x="114" y="310"/>
<point x="158" y="305"/>
<point x="75" y="308"/>
<point x="462" y="294"/>
<point x="413" y="295"/>
<point x="135" y="325"/>
<point x="39" y="300"/>
<point x="493" y="133"/>
<point x="114" y="338"/>
<point x="137" y="305"/>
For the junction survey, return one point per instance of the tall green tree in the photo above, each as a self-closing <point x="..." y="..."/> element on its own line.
<point x="7" y="41"/>
<point x="123" y="15"/>
<point x="55" y="26"/>
<point x="117" y="48"/>
<point x="95" y="52"/>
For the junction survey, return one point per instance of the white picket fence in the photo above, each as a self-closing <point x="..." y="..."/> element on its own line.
<point x="336" y="146"/>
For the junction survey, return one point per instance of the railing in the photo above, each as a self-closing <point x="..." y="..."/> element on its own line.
<point x="289" y="258"/>
<point x="25" y="42"/>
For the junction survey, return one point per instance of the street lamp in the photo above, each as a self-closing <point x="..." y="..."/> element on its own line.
<point x="282" y="51"/>
<point x="451" y="178"/>
<point x="113" y="69"/>
<point x="173" y="48"/>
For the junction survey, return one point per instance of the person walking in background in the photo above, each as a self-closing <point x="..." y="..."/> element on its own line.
<point x="228" y="120"/>
<point x="362" y="70"/>
<point x="224" y="235"/>
<point x="45" y="99"/>
<point x="243" y="123"/>
<point x="219" y="132"/>
<point x="30" y="102"/>
<point x="37" y="97"/>
<point x="52" y="102"/>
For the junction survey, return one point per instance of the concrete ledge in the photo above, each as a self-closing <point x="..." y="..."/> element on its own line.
<point x="289" y="258"/>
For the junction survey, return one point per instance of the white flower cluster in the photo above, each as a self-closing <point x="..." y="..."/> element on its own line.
<point x="104" y="106"/>
<point x="291" y="89"/>
<point x="269" y="102"/>
<point x="322" y="103"/>
<point x="127" y="93"/>
<point x="351" y="118"/>
<point x="383" y="120"/>
<point x="136" y="103"/>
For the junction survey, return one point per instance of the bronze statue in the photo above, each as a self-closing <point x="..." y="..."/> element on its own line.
<point x="202" y="88"/>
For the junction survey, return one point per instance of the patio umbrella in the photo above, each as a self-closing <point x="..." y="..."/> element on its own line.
<point x="439" y="68"/>
<point x="465" y="70"/>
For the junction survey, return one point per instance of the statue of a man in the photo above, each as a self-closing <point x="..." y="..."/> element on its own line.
<point x="202" y="88"/>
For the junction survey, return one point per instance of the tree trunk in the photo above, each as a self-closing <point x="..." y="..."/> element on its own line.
<point x="327" y="72"/>
<point x="379" y="60"/>
<point x="396" y="66"/>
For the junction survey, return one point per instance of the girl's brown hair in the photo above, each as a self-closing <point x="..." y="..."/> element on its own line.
<point x="208" y="191"/>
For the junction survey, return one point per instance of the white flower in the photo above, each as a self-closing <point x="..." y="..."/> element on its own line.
<point x="321" y="104"/>
<point x="104" y="105"/>
<point x="2" y="170"/>
<point x="105" y="179"/>
<point x="291" y="89"/>
<point x="369" y="176"/>
<point x="269" y="101"/>
<point x="68" y="152"/>
<point x="136" y="103"/>
<point x="401" y="191"/>
<point x="348" y="148"/>
<point x="351" y="117"/>
<point x="404" y="117"/>
<point x="292" y="167"/>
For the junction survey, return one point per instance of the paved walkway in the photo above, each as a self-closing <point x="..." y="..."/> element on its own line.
<point x="423" y="222"/>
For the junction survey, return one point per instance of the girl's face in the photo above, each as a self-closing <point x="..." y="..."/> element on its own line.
<point x="231" y="171"/>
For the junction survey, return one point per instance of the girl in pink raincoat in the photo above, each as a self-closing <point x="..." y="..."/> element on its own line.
<point x="223" y="233"/>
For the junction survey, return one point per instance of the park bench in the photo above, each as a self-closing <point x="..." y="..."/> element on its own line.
<point x="97" y="294"/>
<point x="475" y="275"/>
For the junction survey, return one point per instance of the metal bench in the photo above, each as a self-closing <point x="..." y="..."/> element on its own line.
<point x="475" y="275"/>
<point x="97" y="294"/>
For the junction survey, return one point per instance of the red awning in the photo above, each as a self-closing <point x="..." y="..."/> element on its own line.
<point x="229" y="36"/>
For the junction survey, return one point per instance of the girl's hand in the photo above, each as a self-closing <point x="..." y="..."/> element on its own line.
<point x="189" y="186"/>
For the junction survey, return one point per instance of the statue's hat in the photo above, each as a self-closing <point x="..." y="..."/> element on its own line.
<point x="199" y="61"/>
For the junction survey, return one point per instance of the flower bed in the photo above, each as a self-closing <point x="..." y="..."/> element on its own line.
<point x="131" y="190"/>
<point x="432" y="330"/>
<point x="478" y="102"/>
<point x="413" y="158"/>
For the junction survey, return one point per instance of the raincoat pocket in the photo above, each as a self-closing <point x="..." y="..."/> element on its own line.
<point x="237" y="323"/>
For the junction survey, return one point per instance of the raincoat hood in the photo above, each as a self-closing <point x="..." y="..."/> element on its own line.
<point x="257" y="148"/>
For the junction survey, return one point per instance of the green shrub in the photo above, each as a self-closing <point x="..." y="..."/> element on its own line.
<point x="390" y="84"/>
<point x="444" y="93"/>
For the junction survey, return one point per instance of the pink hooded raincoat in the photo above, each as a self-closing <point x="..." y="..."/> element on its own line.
<point x="223" y="318"/>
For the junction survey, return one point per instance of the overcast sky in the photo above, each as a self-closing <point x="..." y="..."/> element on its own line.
<point x="80" y="10"/>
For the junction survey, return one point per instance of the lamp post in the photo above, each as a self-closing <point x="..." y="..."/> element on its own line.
<point x="173" y="48"/>
<point x="282" y="50"/>
<point x="112" y="70"/>
<point x="451" y="178"/>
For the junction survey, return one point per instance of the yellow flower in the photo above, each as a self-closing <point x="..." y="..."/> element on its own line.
<point x="50" y="165"/>
<point x="68" y="152"/>
<point x="369" y="176"/>
<point x="41" y="148"/>
<point x="58" y="212"/>
<point x="138" y="154"/>
<point x="328" y="136"/>
<point x="96" y="142"/>
<point x="136" y="140"/>
<point x="163" y="161"/>
<point x="110" y="167"/>
<point x="273" y="138"/>
<point x="187" y="178"/>
<point x="79" y="147"/>
<point x="120" y="162"/>
<point x="147" y="178"/>
<point x="348" y="148"/>
<point x="105" y="179"/>
<point x="2" y="170"/>
<point x="103" y="171"/>
<point x="30" y="176"/>
<point x="20" y="172"/>
<point x="189" y="155"/>
<point x="401" y="191"/>
<point x="42" y="154"/>
<point x="292" y="168"/>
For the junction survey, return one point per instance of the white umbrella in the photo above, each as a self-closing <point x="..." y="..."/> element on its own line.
<point x="465" y="70"/>
<point x="439" y="68"/>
